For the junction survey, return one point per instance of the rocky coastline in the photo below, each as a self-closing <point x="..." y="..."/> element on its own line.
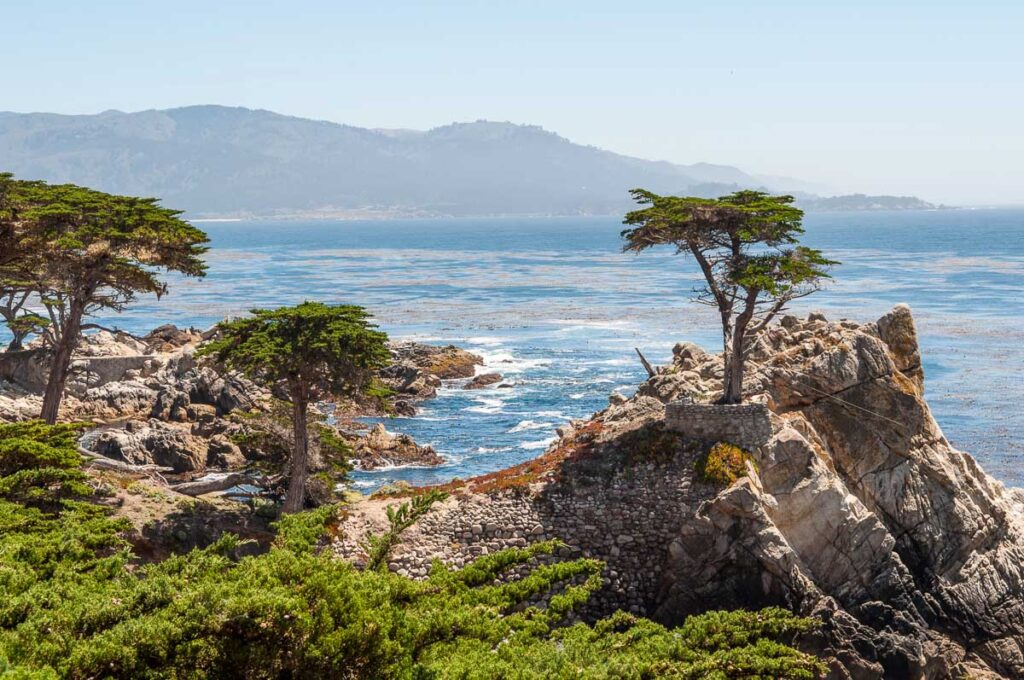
<point x="155" y="405"/>
<point x="853" y="507"/>
<point x="847" y="504"/>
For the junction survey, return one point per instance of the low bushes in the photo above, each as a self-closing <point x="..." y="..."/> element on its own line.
<point x="724" y="463"/>
<point x="76" y="606"/>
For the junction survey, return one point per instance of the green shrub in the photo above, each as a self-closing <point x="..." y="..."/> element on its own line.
<point x="75" y="606"/>
<point x="724" y="464"/>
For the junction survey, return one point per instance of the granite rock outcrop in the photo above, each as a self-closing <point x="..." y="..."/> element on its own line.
<point x="855" y="510"/>
<point x="158" y="405"/>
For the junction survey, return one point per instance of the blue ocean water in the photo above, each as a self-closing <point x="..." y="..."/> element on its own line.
<point x="555" y="306"/>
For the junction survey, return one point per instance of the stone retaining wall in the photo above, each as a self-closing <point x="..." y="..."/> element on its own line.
<point x="746" y="425"/>
<point x="25" y="368"/>
<point x="627" y="519"/>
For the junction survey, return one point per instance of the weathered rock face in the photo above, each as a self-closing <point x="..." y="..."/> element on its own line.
<point x="154" y="443"/>
<point x="858" y="512"/>
<point x="415" y="373"/>
<point x="379" y="447"/>
<point x="447" y="362"/>
<point x="483" y="380"/>
<point x="121" y="378"/>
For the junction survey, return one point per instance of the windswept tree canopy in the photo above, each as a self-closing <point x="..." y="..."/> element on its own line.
<point x="78" y="251"/>
<point x="331" y="349"/>
<point x="70" y="242"/>
<point x="113" y="246"/>
<point x="747" y="247"/>
<point x="311" y="350"/>
<point x="746" y="241"/>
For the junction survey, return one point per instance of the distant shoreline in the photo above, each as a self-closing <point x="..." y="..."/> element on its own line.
<point x="381" y="216"/>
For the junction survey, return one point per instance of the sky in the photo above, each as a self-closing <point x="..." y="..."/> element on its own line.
<point x="923" y="98"/>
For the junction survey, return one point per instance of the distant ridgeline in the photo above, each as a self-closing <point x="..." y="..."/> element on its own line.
<point x="223" y="161"/>
<point x="863" y="202"/>
<point x="814" y="203"/>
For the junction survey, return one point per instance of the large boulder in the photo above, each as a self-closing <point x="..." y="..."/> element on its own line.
<point x="414" y="374"/>
<point x="153" y="443"/>
<point x="447" y="362"/>
<point x="380" y="448"/>
<point x="483" y="380"/>
<point x="167" y="338"/>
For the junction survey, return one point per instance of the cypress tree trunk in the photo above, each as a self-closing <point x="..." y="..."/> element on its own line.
<point x="732" y="387"/>
<point x="61" y="364"/>
<point x="295" y="497"/>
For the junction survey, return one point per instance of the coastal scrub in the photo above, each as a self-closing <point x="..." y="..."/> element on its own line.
<point x="78" y="604"/>
<point x="724" y="463"/>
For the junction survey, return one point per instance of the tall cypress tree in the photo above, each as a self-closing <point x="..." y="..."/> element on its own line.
<point x="310" y="351"/>
<point x="82" y="251"/>
<point x="747" y="247"/>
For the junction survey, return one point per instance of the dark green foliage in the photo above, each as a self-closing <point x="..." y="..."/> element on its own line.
<point x="32" y="445"/>
<point x="311" y="351"/>
<point x="77" y="251"/>
<point x="332" y="349"/>
<point x="73" y="608"/>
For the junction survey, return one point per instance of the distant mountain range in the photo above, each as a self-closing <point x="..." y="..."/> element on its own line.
<point x="224" y="161"/>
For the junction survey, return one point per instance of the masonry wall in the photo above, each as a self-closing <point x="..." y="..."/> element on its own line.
<point x="626" y="520"/>
<point x="28" y="369"/>
<point x="746" y="425"/>
<point x="623" y="507"/>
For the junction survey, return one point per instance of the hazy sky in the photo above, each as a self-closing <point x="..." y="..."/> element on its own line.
<point x="894" y="97"/>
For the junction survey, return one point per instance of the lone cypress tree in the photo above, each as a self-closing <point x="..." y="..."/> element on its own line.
<point x="746" y="245"/>
<point x="311" y="350"/>
<point x="97" y="251"/>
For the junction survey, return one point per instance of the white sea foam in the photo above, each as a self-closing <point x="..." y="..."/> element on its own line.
<point x="611" y="362"/>
<point x="552" y="414"/>
<point x="391" y="467"/>
<point x="492" y="449"/>
<point x="525" y="425"/>
<point x="505" y="362"/>
<point x="569" y="325"/>
<point x="577" y="395"/>
<point x="486" y="405"/>
<point x="487" y="340"/>
<point x="539" y="444"/>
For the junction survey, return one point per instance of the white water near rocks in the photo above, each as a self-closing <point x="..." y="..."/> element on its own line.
<point x="554" y="306"/>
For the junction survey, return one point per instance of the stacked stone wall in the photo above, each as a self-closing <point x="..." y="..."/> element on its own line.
<point x="746" y="425"/>
<point x="625" y="515"/>
<point x="626" y="520"/>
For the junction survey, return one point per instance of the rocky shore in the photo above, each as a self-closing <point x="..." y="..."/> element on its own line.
<point x="851" y="507"/>
<point x="155" y="405"/>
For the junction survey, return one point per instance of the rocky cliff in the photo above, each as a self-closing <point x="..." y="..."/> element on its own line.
<point x="854" y="508"/>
